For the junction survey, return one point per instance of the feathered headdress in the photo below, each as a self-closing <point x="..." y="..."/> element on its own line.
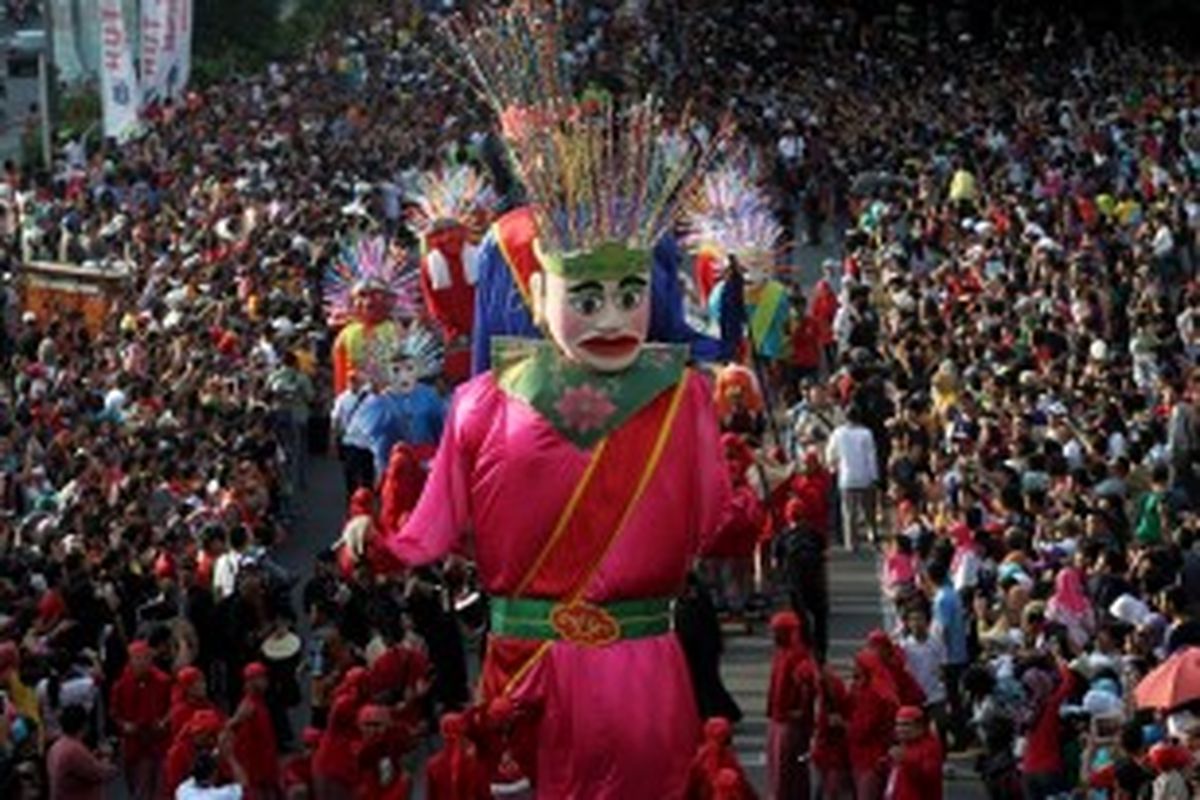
<point x="604" y="182"/>
<point x="425" y="349"/>
<point x="733" y="215"/>
<point x="453" y="194"/>
<point x="366" y="263"/>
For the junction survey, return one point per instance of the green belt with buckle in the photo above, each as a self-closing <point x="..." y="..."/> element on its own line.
<point x="580" y="622"/>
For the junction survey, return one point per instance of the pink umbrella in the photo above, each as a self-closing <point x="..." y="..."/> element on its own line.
<point x="1172" y="683"/>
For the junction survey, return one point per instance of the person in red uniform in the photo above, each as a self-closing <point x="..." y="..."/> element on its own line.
<point x="335" y="767"/>
<point x="380" y="753"/>
<point x="873" y="706"/>
<point x="456" y="772"/>
<point x="908" y="691"/>
<point x="504" y="746"/>
<point x="201" y="734"/>
<point x="189" y="696"/>
<point x="140" y="705"/>
<point x="254" y="743"/>
<point x="715" y="756"/>
<point x="790" y="704"/>
<point x="297" y="769"/>
<point x="830" y="753"/>
<point x="916" y="759"/>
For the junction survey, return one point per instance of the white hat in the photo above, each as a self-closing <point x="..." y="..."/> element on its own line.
<point x="281" y="645"/>
<point x="1130" y="610"/>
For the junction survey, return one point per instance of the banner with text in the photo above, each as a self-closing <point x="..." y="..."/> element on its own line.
<point x="120" y="95"/>
<point x="166" y="36"/>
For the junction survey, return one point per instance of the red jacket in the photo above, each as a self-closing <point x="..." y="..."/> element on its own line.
<point x="146" y="703"/>
<point x="917" y="775"/>
<point x="1043" y="753"/>
<point x="254" y="743"/>
<point x="381" y="773"/>
<point x="707" y="764"/>
<point x="335" y="756"/>
<point x="829" y="751"/>
<point x="793" y="687"/>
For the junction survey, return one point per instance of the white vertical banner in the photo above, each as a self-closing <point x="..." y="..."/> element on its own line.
<point x="184" y="18"/>
<point x="157" y="49"/>
<point x="120" y="95"/>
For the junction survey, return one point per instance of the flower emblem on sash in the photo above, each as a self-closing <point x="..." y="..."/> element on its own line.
<point x="585" y="407"/>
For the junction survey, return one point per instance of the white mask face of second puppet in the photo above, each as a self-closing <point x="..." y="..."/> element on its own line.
<point x="406" y="376"/>
<point x="601" y="324"/>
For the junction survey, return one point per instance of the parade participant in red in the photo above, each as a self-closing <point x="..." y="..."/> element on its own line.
<point x="908" y="691"/>
<point x="450" y="206"/>
<point x="916" y="760"/>
<point x="790" y="709"/>
<point x="714" y="757"/>
<point x="873" y="706"/>
<point x="201" y="734"/>
<point x="254" y="743"/>
<point x="140" y="705"/>
<point x="357" y="533"/>
<point x="456" y="772"/>
<point x="335" y="767"/>
<point x="505" y="748"/>
<point x="297" y="769"/>
<point x="401" y="486"/>
<point x="830" y="751"/>
<point x="401" y="677"/>
<point x="380" y="751"/>
<point x="189" y="696"/>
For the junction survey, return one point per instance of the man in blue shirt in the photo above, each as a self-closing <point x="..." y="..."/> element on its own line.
<point x="950" y="623"/>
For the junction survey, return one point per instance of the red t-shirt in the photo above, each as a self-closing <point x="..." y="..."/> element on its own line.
<point x="1043" y="754"/>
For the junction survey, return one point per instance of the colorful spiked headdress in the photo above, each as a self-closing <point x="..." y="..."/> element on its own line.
<point x="733" y="215"/>
<point x="365" y="263"/>
<point x="605" y="182"/>
<point x="450" y="195"/>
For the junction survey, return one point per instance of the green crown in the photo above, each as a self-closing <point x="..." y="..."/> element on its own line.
<point x="606" y="262"/>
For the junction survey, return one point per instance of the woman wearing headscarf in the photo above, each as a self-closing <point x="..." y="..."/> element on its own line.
<point x="335" y="766"/>
<point x="456" y="772"/>
<point x="790" y="709"/>
<point x="874" y="702"/>
<point x="830" y="756"/>
<point x="1070" y="607"/>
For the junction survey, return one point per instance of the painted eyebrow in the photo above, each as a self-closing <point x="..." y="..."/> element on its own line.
<point x="632" y="281"/>
<point x="582" y="288"/>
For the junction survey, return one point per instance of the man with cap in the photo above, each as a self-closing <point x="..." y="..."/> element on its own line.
<point x="201" y="734"/>
<point x="916" y="759"/>
<point x="140" y="705"/>
<point x="381" y="749"/>
<point x="456" y="772"/>
<point x="254" y="743"/>
<point x="716" y="755"/>
<point x="188" y="697"/>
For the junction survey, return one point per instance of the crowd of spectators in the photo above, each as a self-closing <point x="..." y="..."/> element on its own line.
<point x="1015" y="328"/>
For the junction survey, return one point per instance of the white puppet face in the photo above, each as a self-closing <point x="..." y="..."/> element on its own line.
<point x="599" y="323"/>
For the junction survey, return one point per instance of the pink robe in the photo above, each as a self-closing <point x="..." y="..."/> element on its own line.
<point x="617" y="721"/>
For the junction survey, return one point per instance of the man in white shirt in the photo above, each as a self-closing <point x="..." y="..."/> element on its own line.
<point x="851" y="453"/>
<point x="203" y="785"/>
<point x="352" y="433"/>
<point x="925" y="657"/>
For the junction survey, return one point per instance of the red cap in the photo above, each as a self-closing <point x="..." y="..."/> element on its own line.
<point x="164" y="566"/>
<point x="255" y="669"/>
<point x="372" y="714"/>
<point x="188" y="677"/>
<point x="311" y="736"/>
<point x="51" y="606"/>
<point x="785" y="620"/>
<point x="793" y="510"/>
<point x="453" y="725"/>
<point x="910" y="714"/>
<point x="140" y="648"/>
<point x="718" y="729"/>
